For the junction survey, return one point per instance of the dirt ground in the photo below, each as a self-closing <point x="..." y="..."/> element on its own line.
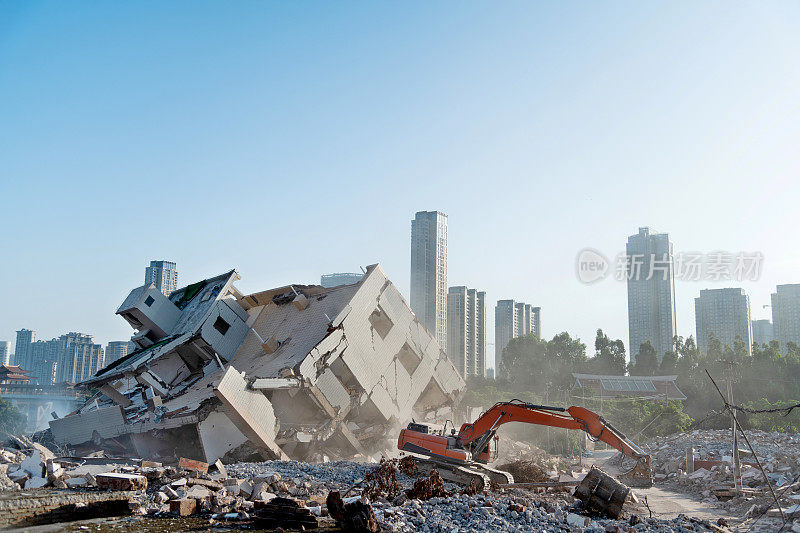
<point x="664" y="503"/>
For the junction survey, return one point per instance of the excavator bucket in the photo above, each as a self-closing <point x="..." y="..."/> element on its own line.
<point x="640" y="476"/>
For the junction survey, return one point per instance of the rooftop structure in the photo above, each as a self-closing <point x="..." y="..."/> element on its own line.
<point x="652" y="387"/>
<point x="13" y="374"/>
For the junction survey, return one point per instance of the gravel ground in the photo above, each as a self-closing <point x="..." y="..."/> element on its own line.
<point x="517" y="511"/>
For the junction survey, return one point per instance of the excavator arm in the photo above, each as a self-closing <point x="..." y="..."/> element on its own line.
<point x="476" y="436"/>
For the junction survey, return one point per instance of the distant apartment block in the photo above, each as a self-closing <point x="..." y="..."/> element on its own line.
<point x="164" y="275"/>
<point x="340" y="278"/>
<point x="786" y="314"/>
<point x="117" y="350"/>
<point x="74" y="363"/>
<point x="724" y="313"/>
<point x="762" y="331"/>
<point x="81" y="361"/>
<point x="5" y="353"/>
<point x="466" y="330"/>
<point x="429" y="272"/>
<point x="43" y="361"/>
<point x="513" y="319"/>
<point x="22" y="349"/>
<point x="651" y="292"/>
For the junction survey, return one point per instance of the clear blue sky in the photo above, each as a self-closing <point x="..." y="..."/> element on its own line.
<point x="293" y="139"/>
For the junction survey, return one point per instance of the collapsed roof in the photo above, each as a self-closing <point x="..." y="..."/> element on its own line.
<point x="289" y="372"/>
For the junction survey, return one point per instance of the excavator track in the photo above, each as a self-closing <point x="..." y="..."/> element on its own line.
<point x="469" y="474"/>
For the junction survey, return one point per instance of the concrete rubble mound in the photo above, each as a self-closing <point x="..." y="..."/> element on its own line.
<point x="354" y="496"/>
<point x="710" y="474"/>
<point x="302" y="372"/>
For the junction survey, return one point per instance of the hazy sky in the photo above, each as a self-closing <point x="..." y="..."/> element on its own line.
<point x="293" y="139"/>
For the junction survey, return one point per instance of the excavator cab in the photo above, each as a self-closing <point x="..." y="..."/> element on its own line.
<point x="489" y="453"/>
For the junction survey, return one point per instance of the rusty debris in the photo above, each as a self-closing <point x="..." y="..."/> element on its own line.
<point x="382" y="481"/>
<point x="407" y="466"/>
<point x="285" y="513"/>
<point x="355" y="517"/>
<point x="427" y="488"/>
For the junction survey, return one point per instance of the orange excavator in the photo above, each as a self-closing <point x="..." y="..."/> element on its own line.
<point x="463" y="457"/>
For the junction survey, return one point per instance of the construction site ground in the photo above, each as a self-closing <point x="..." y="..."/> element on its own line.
<point x="663" y="502"/>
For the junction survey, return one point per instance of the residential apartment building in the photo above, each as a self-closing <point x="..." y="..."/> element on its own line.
<point x="117" y="350"/>
<point x="81" y="361"/>
<point x="43" y="361"/>
<point x="724" y="313"/>
<point x="762" y="331"/>
<point x="786" y="314"/>
<point x="513" y="319"/>
<point x="429" y="272"/>
<point x="340" y="278"/>
<point x="25" y="337"/>
<point x="5" y="353"/>
<point x="651" y="292"/>
<point x="164" y="275"/>
<point x="73" y="363"/>
<point x="466" y="330"/>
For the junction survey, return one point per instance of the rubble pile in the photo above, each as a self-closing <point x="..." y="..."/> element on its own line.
<point x="390" y="495"/>
<point x="502" y="512"/>
<point x="712" y="476"/>
<point x="526" y="471"/>
<point x="779" y="452"/>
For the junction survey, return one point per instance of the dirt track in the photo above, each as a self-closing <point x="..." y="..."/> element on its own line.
<point x="664" y="503"/>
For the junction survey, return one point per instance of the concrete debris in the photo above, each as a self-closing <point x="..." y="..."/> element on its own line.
<point x="284" y="513"/>
<point x="356" y="516"/>
<point x="391" y="496"/>
<point x="300" y="371"/>
<point x="115" y="481"/>
<point x="427" y="488"/>
<point x="710" y="476"/>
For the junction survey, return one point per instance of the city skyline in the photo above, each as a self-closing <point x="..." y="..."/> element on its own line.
<point x="604" y="122"/>
<point x="491" y="355"/>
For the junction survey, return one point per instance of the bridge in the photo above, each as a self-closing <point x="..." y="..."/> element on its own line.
<point x="37" y="402"/>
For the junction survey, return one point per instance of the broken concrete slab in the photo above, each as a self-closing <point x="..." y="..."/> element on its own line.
<point x="192" y="465"/>
<point x="35" y="464"/>
<point x="183" y="507"/>
<point x="198" y="492"/>
<point x="75" y="482"/>
<point x="116" y="481"/>
<point x="35" y="483"/>
<point x="250" y="411"/>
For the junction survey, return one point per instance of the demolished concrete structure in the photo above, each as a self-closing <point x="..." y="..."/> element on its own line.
<point x="289" y="372"/>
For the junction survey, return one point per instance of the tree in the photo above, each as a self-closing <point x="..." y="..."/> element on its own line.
<point x="11" y="420"/>
<point x="669" y="364"/>
<point x="609" y="356"/>
<point x="533" y="364"/>
<point x="646" y="361"/>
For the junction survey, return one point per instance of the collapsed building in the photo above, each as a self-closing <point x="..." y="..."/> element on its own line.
<point x="292" y="372"/>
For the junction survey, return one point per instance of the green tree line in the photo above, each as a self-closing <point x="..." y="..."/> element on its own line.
<point x="540" y="371"/>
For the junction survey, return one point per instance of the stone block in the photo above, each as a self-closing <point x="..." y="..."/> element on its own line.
<point x="114" y="481"/>
<point x="183" y="507"/>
